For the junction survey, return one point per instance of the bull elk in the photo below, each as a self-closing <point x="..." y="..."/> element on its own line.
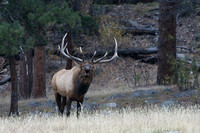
<point x="72" y="85"/>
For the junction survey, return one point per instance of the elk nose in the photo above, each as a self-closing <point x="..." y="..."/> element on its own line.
<point x="87" y="70"/>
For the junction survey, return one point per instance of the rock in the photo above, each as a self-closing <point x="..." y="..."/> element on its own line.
<point x="50" y="103"/>
<point x="90" y="106"/>
<point x="110" y="105"/>
<point x="181" y="56"/>
<point x="33" y="104"/>
<point x="152" y="101"/>
<point x="115" y="96"/>
<point x="112" y="14"/>
<point x="167" y="90"/>
<point x="142" y="93"/>
<point x="131" y="23"/>
<point x="188" y="93"/>
<point x="2" y="88"/>
<point x="87" y="106"/>
<point x="168" y="103"/>
<point x="198" y="45"/>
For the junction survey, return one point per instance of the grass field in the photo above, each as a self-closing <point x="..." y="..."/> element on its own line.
<point x="140" y="120"/>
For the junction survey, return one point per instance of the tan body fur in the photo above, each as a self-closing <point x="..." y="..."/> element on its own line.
<point x="63" y="82"/>
<point x="72" y="85"/>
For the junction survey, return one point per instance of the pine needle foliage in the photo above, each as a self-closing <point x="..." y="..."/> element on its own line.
<point x="26" y="22"/>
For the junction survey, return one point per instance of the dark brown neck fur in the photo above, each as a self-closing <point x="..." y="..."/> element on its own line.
<point x="82" y="84"/>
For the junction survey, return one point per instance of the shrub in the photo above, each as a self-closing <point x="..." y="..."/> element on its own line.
<point x="186" y="74"/>
<point x="186" y="7"/>
<point x="108" y="30"/>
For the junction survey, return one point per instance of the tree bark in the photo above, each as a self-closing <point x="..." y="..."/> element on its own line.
<point x="75" y="7"/>
<point x="26" y="75"/>
<point x="29" y="54"/>
<point x="167" y="42"/>
<point x="39" y="89"/>
<point x="69" y="46"/>
<point x="23" y="77"/>
<point x="14" y="88"/>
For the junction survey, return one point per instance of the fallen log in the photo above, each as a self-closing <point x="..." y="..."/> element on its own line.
<point x="5" y="80"/>
<point x="186" y="48"/>
<point x="132" y="52"/>
<point x="139" y="31"/>
<point x="144" y="55"/>
<point x="121" y="52"/>
<point x="137" y="54"/>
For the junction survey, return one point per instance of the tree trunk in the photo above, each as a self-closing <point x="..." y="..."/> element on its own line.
<point x="167" y="41"/>
<point x="73" y="5"/>
<point x="69" y="41"/>
<point x="39" y="89"/>
<point x="26" y="75"/>
<point x="14" y="88"/>
<point x="29" y="54"/>
<point x="23" y="77"/>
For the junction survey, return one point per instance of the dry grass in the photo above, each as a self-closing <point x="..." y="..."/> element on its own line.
<point x="182" y="120"/>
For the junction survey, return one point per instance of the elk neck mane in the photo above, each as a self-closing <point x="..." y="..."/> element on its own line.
<point x="81" y="83"/>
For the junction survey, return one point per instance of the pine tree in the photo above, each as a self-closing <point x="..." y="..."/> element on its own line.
<point x="11" y="37"/>
<point x="24" y="23"/>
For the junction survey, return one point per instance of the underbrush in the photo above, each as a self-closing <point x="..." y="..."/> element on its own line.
<point x="138" y="120"/>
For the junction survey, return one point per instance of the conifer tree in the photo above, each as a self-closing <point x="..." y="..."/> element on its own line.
<point x="11" y="37"/>
<point x="25" y="23"/>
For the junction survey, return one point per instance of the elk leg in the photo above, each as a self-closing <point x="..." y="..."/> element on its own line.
<point x="78" y="108"/>
<point x="63" y="104"/>
<point x="68" y="102"/>
<point x="58" y="101"/>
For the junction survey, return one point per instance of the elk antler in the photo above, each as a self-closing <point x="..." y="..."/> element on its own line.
<point x="64" y="48"/>
<point x="100" y="60"/>
<point x="83" y="56"/>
